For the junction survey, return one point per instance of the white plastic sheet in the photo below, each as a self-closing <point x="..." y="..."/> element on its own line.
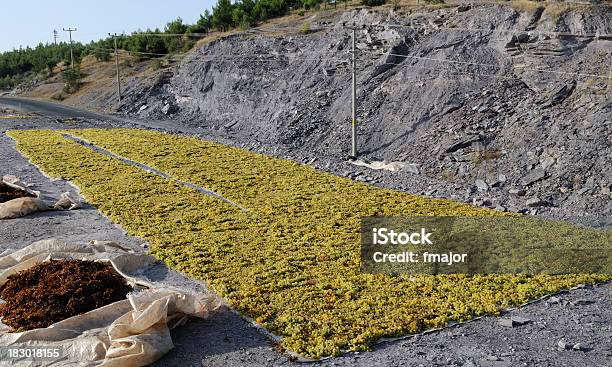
<point x="133" y="332"/>
<point x="387" y="166"/>
<point x="21" y="207"/>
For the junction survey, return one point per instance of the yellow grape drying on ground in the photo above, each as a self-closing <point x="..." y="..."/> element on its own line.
<point x="292" y="261"/>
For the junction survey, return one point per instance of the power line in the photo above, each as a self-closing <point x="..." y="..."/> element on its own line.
<point x="171" y="34"/>
<point x="210" y="57"/>
<point x="353" y="52"/>
<point x="465" y="73"/>
<point x="434" y="59"/>
<point x="391" y="25"/>
<point x="251" y="57"/>
<point x="508" y="31"/>
<point x="241" y="56"/>
<point x="563" y="72"/>
<point x="494" y="65"/>
<point x="474" y="30"/>
<point x="132" y="52"/>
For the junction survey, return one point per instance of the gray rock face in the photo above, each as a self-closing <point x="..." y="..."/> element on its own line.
<point x="519" y="192"/>
<point x="504" y="100"/>
<point x="481" y="185"/>
<point x="533" y="176"/>
<point x="413" y="168"/>
<point x="561" y="94"/>
<point x="536" y="202"/>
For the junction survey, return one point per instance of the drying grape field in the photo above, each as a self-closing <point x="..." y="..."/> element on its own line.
<point x="291" y="259"/>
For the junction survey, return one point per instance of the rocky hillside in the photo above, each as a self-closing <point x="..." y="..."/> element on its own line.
<point x="500" y="105"/>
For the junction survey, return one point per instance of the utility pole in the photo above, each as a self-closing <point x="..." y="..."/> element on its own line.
<point x="55" y="36"/>
<point x="354" y="124"/>
<point x="70" y="30"/>
<point x="115" y="35"/>
<point x="353" y="28"/>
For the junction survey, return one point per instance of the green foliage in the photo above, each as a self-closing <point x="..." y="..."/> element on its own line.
<point x="176" y="27"/>
<point x="102" y="54"/>
<point x="242" y="17"/>
<point x="72" y="80"/>
<point x="312" y="4"/>
<point x="222" y="15"/>
<point x="9" y="82"/>
<point x="247" y="13"/>
<point x="305" y="29"/>
<point x="50" y="65"/>
<point x="58" y="96"/>
<point x="203" y="25"/>
<point x="16" y="65"/>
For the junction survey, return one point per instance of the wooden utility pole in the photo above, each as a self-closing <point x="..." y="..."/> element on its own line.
<point x="354" y="152"/>
<point x="354" y="124"/>
<point x="70" y="30"/>
<point x="115" y="35"/>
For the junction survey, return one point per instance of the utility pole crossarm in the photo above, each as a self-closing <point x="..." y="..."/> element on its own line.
<point x="70" y="30"/>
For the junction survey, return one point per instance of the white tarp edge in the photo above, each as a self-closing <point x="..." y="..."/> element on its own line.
<point x="133" y="332"/>
<point x="21" y="207"/>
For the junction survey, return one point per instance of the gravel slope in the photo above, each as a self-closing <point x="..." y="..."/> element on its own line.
<point x="500" y="106"/>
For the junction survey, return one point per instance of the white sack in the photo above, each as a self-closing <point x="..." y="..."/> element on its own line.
<point x="133" y="332"/>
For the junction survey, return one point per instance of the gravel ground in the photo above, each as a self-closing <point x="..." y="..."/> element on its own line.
<point x="580" y="320"/>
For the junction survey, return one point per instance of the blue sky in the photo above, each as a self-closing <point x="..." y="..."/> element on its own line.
<point x="27" y="23"/>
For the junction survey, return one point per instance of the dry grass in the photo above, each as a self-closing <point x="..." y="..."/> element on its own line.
<point x="487" y="154"/>
<point x="556" y="10"/>
<point x="292" y="22"/>
<point x="98" y="79"/>
<point x="448" y="175"/>
<point x="526" y="5"/>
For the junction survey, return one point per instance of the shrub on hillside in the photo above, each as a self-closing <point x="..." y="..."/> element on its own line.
<point x="305" y="28"/>
<point x="72" y="80"/>
<point x="373" y="2"/>
<point x="102" y="54"/>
